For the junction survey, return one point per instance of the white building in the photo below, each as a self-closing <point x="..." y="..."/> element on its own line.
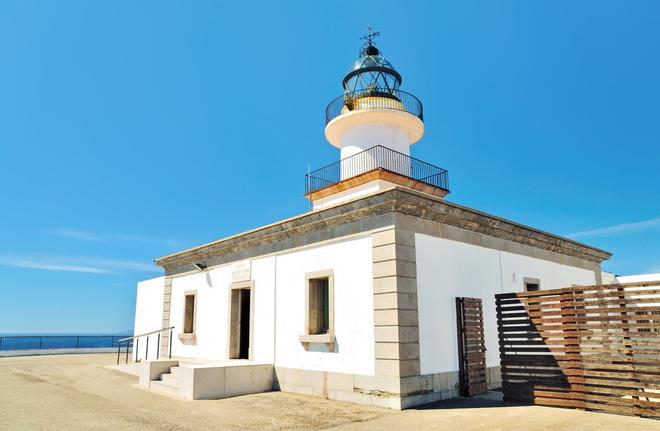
<point x="354" y="300"/>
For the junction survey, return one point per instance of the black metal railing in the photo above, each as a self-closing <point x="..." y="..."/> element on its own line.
<point x="50" y="342"/>
<point x="134" y="341"/>
<point x="374" y="158"/>
<point x="377" y="98"/>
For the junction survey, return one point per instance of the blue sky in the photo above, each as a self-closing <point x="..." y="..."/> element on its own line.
<point x="129" y="130"/>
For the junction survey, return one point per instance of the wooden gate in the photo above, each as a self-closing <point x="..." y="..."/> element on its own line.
<point x="592" y="347"/>
<point x="471" y="346"/>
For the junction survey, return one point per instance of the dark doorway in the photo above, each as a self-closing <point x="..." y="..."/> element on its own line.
<point x="244" y="343"/>
<point x="240" y="323"/>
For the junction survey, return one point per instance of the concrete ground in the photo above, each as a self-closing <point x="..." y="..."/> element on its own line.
<point x="77" y="392"/>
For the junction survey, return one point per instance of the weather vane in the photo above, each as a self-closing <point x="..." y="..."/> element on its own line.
<point x="371" y="35"/>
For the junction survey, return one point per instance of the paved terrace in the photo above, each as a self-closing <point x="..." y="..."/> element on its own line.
<point x="77" y="392"/>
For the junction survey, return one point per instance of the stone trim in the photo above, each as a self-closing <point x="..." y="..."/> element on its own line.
<point x="383" y="391"/>
<point x="167" y="300"/>
<point x="366" y="214"/>
<point x="232" y="345"/>
<point x="440" y="230"/>
<point x="330" y="275"/>
<point x="396" y="331"/>
<point x="189" y="337"/>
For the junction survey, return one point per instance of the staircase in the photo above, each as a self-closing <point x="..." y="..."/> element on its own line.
<point x="168" y="383"/>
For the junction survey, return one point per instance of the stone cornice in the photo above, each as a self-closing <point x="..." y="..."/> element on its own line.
<point x="449" y="213"/>
<point x="366" y="214"/>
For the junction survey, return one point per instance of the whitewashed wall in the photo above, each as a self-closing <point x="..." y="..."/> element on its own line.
<point x="351" y="261"/>
<point x="148" y="313"/>
<point x="447" y="269"/>
<point x="212" y="311"/>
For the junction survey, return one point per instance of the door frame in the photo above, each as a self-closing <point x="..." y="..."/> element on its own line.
<point x="233" y="347"/>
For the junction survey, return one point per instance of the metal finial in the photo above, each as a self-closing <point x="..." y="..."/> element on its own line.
<point x="370" y="36"/>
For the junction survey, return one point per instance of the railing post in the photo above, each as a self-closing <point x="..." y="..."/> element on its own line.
<point x="41" y="338"/>
<point x="158" y="347"/>
<point x="146" y="352"/>
<point x="78" y="342"/>
<point x="119" y="352"/>
<point x="170" y="343"/>
<point x="127" y="344"/>
<point x="136" y="347"/>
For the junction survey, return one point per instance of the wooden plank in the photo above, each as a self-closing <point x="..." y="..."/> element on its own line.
<point x="594" y="348"/>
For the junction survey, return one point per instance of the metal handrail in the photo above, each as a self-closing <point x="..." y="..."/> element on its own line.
<point x="377" y="157"/>
<point x="146" y="333"/>
<point x="379" y="98"/>
<point x="128" y="340"/>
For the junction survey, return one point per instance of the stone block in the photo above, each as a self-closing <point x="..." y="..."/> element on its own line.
<point x="409" y="367"/>
<point x="386" y="334"/>
<point x="386" y="285"/>
<point x="406" y="285"/>
<point x="339" y="381"/>
<point x="405" y="253"/>
<point x="384" y="252"/>
<point x="387" y="350"/>
<point x="384" y="268"/>
<point x="385" y="301"/>
<point x="407" y="318"/>
<point x="388" y="367"/>
<point x="387" y="384"/>
<point x="408" y="350"/>
<point x="383" y="237"/>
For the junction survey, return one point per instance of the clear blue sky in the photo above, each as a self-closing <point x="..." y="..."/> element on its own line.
<point x="129" y="130"/>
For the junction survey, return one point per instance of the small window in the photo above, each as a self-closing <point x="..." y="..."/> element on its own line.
<point x="319" y="311"/>
<point x="531" y="287"/>
<point x="532" y="284"/>
<point x="189" y="314"/>
<point x="319" y="304"/>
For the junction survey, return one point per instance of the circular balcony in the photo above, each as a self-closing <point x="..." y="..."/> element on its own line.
<point x="379" y="98"/>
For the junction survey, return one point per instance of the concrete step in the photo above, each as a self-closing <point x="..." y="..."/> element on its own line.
<point x="164" y="388"/>
<point x="174" y="371"/>
<point x="170" y="380"/>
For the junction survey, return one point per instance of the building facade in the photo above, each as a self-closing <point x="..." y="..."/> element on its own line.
<point x="355" y="299"/>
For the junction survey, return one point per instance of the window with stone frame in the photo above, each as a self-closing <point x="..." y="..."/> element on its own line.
<point x="320" y="303"/>
<point x="189" y="313"/>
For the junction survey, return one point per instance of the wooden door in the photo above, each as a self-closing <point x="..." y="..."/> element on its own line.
<point x="471" y="346"/>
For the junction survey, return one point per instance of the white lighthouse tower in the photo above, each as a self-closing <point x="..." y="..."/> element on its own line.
<point x="373" y="110"/>
<point x="373" y="123"/>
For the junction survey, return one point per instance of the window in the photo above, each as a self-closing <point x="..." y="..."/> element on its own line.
<point x="320" y="304"/>
<point x="532" y="284"/>
<point x="189" y="313"/>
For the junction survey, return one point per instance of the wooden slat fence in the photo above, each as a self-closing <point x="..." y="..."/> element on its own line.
<point x="471" y="346"/>
<point x="593" y="347"/>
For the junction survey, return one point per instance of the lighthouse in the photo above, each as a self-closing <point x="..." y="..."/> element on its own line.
<point x="373" y="123"/>
<point x="363" y="298"/>
<point x="373" y="109"/>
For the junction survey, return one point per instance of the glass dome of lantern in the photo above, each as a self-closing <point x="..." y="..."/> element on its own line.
<point x="371" y="73"/>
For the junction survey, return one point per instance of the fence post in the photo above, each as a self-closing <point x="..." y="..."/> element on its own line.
<point x="146" y="351"/>
<point x="41" y="338"/>
<point x="158" y="347"/>
<point x="119" y="352"/>
<point x="78" y="342"/>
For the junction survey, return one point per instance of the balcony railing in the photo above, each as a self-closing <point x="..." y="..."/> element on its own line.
<point x="375" y="158"/>
<point x="377" y="98"/>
